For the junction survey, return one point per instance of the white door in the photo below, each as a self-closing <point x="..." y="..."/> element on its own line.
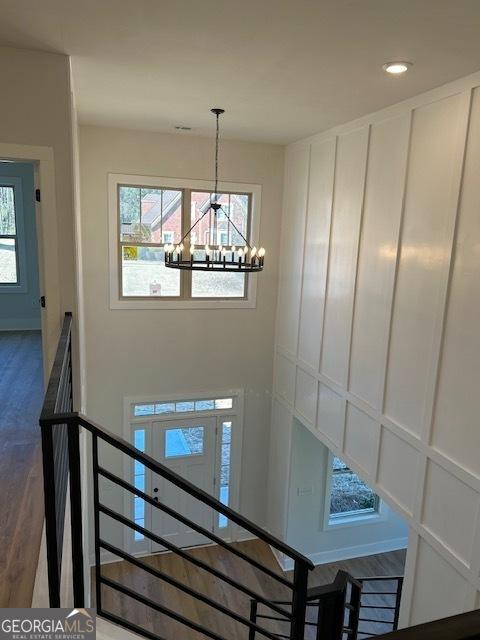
<point x="188" y="448"/>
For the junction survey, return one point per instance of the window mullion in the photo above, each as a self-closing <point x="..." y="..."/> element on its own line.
<point x="186" y="223"/>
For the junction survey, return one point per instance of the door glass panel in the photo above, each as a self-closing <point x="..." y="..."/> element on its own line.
<point x="183" y="441"/>
<point x="225" y="471"/>
<point x="139" y="483"/>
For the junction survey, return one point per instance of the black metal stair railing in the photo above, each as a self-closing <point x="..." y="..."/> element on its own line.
<point x="347" y="609"/>
<point x="332" y="611"/>
<point x="58" y="473"/>
<point x="379" y="605"/>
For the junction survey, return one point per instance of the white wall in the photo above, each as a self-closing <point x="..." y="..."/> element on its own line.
<point x="308" y="529"/>
<point x="35" y="112"/>
<point x="377" y="343"/>
<point x="147" y="352"/>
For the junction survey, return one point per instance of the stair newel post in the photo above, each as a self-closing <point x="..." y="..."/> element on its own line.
<point x="331" y="614"/>
<point x="76" y="522"/>
<point x="53" y="564"/>
<point x="299" y="602"/>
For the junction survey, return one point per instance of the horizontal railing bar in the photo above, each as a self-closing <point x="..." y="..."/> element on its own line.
<point x="177" y="480"/>
<point x="59" y="418"/>
<point x="186" y="556"/>
<point x="375" y="578"/>
<point x="129" y="487"/>
<point x="373" y="606"/>
<point x="375" y="621"/>
<point x="121" y="622"/>
<point x="186" y="589"/>
<point x="379" y="593"/>
<point x="113" y="584"/>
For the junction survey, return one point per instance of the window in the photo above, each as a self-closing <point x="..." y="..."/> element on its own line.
<point x="183" y="441"/>
<point x="9" y="273"/>
<point x="224" y="484"/>
<point x="150" y="217"/>
<point x="139" y="481"/>
<point x="160" y="408"/>
<point x="349" y="495"/>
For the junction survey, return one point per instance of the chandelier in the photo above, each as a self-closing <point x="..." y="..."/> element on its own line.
<point x="217" y="257"/>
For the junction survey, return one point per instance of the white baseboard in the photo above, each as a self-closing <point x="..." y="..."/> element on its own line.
<point x="20" y="324"/>
<point x="344" y="553"/>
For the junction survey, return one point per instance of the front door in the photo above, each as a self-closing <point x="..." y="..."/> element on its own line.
<point x="188" y="448"/>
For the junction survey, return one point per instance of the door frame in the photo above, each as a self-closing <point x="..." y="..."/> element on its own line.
<point x="47" y="236"/>
<point x="234" y="532"/>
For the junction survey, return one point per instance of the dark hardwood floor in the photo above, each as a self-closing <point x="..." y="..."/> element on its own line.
<point x="21" y="491"/>
<point x="377" y="565"/>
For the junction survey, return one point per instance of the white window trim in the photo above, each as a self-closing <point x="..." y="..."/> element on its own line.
<point x="233" y="532"/>
<point x="349" y="519"/>
<point x="116" y="302"/>
<point x="21" y="285"/>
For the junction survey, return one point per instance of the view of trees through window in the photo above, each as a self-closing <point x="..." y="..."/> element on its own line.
<point x="349" y="494"/>
<point x="150" y="217"/>
<point x="8" y="237"/>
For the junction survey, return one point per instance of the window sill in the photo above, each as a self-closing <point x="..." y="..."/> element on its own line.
<point x="356" y="520"/>
<point x="151" y="305"/>
<point x="13" y="288"/>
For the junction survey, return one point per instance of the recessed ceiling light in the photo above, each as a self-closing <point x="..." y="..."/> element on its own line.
<point x="396" y="68"/>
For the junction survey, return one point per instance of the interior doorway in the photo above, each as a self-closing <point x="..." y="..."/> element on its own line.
<point x="21" y="385"/>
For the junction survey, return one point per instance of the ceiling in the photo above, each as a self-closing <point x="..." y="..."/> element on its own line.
<point x="283" y="69"/>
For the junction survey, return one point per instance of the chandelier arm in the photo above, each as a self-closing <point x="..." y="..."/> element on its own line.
<point x="235" y="227"/>
<point x="194" y="225"/>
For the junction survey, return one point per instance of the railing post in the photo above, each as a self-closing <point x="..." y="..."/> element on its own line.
<point x="354" y="612"/>
<point x="299" y="601"/>
<point x="253" y="618"/>
<point x="96" y="523"/>
<point x="398" y="599"/>
<point x="76" y="513"/>
<point x="49" y="493"/>
<point x="331" y="613"/>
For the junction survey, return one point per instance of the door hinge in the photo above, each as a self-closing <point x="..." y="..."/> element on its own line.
<point x="214" y="482"/>
<point x="37" y="195"/>
<point x="43" y="302"/>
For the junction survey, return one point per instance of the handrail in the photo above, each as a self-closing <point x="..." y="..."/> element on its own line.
<point x="196" y="527"/>
<point x="50" y="403"/>
<point x="125" y="447"/>
<point x="465" y="626"/>
<point x="61" y="427"/>
<point x="338" y="585"/>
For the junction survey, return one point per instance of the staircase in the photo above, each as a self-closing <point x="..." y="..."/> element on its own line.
<point x="345" y="609"/>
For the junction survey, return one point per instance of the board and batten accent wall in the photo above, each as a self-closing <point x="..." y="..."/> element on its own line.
<point x="377" y="340"/>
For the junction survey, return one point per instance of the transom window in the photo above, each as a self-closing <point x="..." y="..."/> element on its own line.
<point x="183" y="406"/>
<point x="149" y="217"/>
<point x="9" y="272"/>
<point x="349" y="495"/>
